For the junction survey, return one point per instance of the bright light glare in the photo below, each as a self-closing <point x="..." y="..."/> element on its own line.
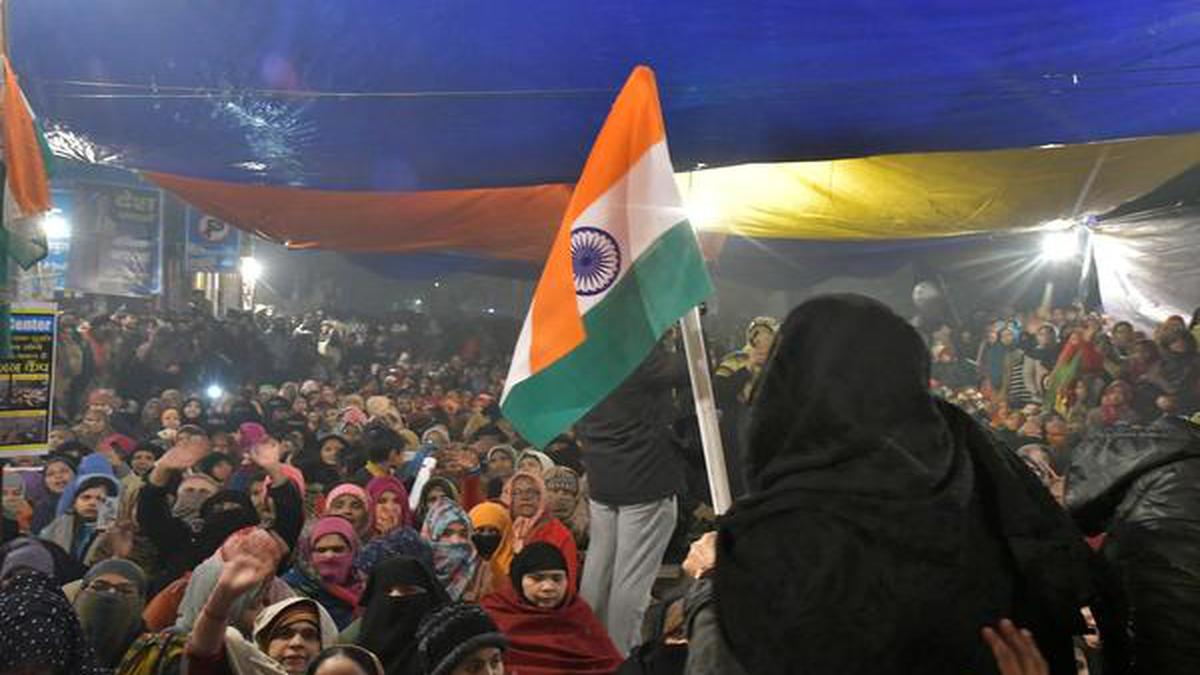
<point x="56" y="226"/>
<point x="490" y="310"/>
<point x="1059" y="246"/>
<point x="702" y="214"/>
<point x="252" y="269"/>
<point x="214" y="391"/>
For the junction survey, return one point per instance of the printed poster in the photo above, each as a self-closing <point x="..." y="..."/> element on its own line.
<point x="25" y="383"/>
<point x="116" y="240"/>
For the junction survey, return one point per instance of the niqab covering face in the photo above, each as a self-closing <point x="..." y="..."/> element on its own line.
<point x="221" y="515"/>
<point x="111" y="618"/>
<point x="391" y="619"/>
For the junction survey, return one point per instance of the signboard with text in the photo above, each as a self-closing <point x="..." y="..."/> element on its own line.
<point x="116" y="240"/>
<point x="212" y="244"/>
<point x="26" y="382"/>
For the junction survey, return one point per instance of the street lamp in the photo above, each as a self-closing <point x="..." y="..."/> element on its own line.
<point x="56" y="226"/>
<point x="252" y="269"/>
<point x="1060" y="246"/>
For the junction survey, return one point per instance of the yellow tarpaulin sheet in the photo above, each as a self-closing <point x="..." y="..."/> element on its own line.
<point x="931" y="194"/>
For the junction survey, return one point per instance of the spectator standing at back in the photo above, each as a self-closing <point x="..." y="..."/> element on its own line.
<point x="634" y="476"/>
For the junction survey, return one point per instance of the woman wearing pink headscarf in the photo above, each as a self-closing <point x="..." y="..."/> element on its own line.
<point x="330" y="577"/>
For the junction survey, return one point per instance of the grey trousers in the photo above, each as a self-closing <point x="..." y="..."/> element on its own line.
<point x="623" y="559"/>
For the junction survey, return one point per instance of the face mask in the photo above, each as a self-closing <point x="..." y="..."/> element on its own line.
<point x="110" y="621"/>
<point x="335" y="570"/>
<point x="486" y="543"/>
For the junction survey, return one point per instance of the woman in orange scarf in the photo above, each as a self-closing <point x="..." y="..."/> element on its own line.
<point x="493" y="538"/>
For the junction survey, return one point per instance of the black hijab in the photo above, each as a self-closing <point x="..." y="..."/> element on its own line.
<point x="846" y="375"/>
<point x="223" y="514"/>
<point x="389" y="625"/>
<point x="876" y="538"/>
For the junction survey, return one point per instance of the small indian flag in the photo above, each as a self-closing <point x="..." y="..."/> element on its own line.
<point x="623" y="268"/>
<point x="27" y="175"/>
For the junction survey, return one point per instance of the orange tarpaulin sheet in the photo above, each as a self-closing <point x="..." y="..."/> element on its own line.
<point x="507" y="223"/>
<point x="885" y="197"/>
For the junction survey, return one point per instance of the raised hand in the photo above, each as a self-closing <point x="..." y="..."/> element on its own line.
<point x="120" y="539"/>
<point x="243" y="573"/>
<point x="1015" y="650"/>
<point x="183" y="455"/>
<point x="256" y="542"/>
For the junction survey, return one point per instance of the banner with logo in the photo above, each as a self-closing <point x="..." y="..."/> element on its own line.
<point x="26" y="382"/>
<point x="116" y="240"/>
<point x="212" y="245"/>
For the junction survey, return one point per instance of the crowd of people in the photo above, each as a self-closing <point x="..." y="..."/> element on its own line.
<point x="311" y="495"/>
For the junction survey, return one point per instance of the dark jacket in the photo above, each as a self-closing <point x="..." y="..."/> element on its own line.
<point x="884" y="528"/>
<point x="627" y="443"/>
<point x="182" y="549"/>
<point x="1141" y="485"/>
<point x="707" y="651"/>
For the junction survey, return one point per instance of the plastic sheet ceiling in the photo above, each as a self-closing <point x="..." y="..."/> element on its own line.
<point x="896" y="196"/>
<point x="392" y="123"/>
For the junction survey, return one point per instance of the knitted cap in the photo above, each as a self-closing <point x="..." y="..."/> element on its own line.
<point x="536" y="557"/>
<point x="121" y="567"/>
<point x="454" y="632"/>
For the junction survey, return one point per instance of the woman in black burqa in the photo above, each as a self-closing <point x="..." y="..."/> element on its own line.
<point x="884" y="528"/>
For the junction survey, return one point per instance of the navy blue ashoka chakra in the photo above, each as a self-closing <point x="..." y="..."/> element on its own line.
<point x="596" y="259"/>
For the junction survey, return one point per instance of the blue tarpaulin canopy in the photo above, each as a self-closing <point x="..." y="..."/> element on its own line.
<point x="451" y="131"/>
<point x="386" y="95"/>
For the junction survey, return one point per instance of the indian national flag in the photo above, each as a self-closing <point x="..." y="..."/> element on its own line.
<point x="27" y="175"/>
<point x="623" y="268"/>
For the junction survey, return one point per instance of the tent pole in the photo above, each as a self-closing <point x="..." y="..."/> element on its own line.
<point x="706" y="410"/>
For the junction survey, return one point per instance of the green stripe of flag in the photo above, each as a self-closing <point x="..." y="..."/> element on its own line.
<point x="666" y="281"/>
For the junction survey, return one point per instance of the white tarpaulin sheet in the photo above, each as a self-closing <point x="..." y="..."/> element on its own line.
<point x="1148" y="265"/>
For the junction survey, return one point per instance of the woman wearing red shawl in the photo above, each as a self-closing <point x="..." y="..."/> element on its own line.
<point x="336" y="585"/>
<point x="551" y="631"/>
<point x="389" y="498"/>
<point x="525" y="497"/>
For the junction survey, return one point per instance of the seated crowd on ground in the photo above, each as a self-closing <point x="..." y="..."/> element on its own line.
<point x="270" y="495"/>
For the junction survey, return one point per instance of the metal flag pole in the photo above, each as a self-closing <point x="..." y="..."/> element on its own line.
<point x="706" y="410"/>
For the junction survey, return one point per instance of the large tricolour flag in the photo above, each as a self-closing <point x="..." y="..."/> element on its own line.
<point x="26" y="177"/>
<point x="623" y="268"/>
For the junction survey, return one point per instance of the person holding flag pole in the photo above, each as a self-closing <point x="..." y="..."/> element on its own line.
<point x="624" y="267"/>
